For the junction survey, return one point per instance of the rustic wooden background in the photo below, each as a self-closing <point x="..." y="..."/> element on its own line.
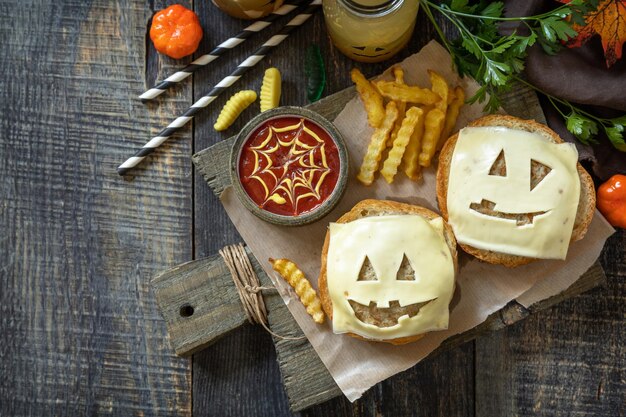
<point x="78" y="244"/>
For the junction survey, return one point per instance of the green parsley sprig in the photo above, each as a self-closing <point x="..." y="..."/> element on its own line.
<point x="496" y="61"/>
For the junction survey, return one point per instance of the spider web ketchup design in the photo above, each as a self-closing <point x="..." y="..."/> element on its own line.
<point x="289" y="166"/>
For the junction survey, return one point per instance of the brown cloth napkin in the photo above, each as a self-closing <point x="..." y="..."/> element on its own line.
<point x="578" y="75"/>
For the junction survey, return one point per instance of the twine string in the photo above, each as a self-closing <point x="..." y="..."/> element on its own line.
<point x="249" y="287"/>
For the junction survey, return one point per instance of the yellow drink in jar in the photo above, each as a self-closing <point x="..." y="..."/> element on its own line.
<point x="370" y="30"/>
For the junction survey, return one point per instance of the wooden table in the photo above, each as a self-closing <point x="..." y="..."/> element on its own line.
<point x="79" y="244"/>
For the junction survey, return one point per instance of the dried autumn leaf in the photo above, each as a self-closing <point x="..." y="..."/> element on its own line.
<point x="608" y="21"/>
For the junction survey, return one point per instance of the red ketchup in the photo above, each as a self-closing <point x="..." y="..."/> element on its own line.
<point x="289" y="166"/>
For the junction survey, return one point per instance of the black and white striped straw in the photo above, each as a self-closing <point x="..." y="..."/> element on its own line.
<point x="204" y="101"/>
<point x="228" y="44"/>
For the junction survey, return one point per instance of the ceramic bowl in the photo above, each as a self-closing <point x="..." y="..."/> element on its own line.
<point x="307" y="217"/>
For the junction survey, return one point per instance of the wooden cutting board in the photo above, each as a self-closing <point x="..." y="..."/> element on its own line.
<point x="200" y="304"/>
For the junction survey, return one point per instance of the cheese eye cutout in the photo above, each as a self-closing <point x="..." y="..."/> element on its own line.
<point x="499" y="166"/>
<point x="541" y="171"/>
<point x="367" y="272"/>
<point x="406" y="271"/>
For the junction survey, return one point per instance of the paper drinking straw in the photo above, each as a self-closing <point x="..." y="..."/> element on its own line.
<point x="204" y="101"/>
<point x="228" y="44"/>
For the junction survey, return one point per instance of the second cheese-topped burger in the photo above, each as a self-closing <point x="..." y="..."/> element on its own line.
<point x="513" y="191"/>
<point x="388" y="272"/>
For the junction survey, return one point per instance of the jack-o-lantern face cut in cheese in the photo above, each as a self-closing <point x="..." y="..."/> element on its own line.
<point x="513" y="192"/>
<point x="389" y="276"/>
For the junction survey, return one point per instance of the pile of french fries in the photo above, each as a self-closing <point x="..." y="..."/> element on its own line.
<point x="410" y="128"/>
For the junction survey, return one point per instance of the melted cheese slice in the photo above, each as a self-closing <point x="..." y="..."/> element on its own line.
<point x="385" y="240"/>
<point x="554" y="200"/>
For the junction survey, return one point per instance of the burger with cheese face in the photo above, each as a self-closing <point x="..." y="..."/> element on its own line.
<point x="388" y="272"/>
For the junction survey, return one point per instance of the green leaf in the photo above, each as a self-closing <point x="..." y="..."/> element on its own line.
<point x="523" y="42"/>
<point x="493" y="103"/>
<point x="495" y="72"/>
<point x="616" y="136"/>
<point x="582" y="127"/>
<point x="548" y="47"/>
<point x="472" y="47"/>
<point x="503" y="45"/>
<point x="548" y="32"/>
<point x="479" y="96"/>
<point x="459" y="5"/>
<point x="517" y="64"/>
<point x="494" y="9"/>
<point x="563" y="30"/>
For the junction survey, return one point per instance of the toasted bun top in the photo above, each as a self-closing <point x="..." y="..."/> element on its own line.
<point x="587" y="200"/>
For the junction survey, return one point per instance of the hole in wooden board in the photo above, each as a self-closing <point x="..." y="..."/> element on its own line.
<point x="186" y="311"/>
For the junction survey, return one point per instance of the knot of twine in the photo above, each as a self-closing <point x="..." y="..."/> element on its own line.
<point x="249" y="287"/>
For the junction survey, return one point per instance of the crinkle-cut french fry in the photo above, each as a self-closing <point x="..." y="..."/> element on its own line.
<point x="370" y="97"/>
<point x="237" y="103"/>
<point x="453" y="113"/>
<point x="403" y="92"/>
<point x="270" y="89"/>
<point x="401" y="105"/>
<point x="439" y="87"/>
<point x="432" y="131"/>
<point x="377" y="145"/>
<point x="410" y="163"/>
<point x="390" y="167"/>
<point x="299" y="282"/>
<point x="398" y="73"/>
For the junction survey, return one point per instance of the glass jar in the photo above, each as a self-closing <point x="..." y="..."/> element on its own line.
<point x="248" y="9"/>
<point x="370" y="30"/>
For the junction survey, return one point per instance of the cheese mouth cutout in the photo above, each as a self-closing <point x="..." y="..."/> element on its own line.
<point x="385" y="316"/>
<point x="488" y="208"/>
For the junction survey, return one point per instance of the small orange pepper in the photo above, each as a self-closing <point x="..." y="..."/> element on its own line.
<point x="612" y="200"/>
<point x="176" y="31"/>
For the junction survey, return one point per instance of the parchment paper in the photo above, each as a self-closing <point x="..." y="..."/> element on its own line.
<point x="481" y="288"/>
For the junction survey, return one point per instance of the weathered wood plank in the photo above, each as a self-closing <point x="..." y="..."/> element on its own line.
<point x="441" y="385"/>
<point x="80" y="331"/>
<point x="199" y="303"/>
<point x="562" y="361"/>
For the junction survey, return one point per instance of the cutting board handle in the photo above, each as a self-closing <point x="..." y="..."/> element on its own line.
<point x="200" y="303"/>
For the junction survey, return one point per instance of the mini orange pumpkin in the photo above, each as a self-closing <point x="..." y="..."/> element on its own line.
<point x="612" y="200"/>
<point x="176" y="31"/>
